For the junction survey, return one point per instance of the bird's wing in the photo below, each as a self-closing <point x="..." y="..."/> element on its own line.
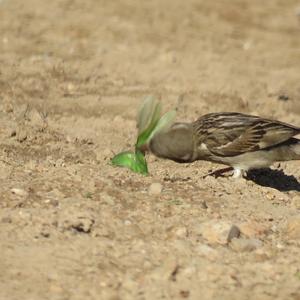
<point x="231" y="134"/>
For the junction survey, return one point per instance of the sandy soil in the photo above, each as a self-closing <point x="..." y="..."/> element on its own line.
<point x="72" y="75"/>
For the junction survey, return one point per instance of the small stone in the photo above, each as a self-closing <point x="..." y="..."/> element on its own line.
<point x="181" y="232"/>
<point x="76" y="222"/>
<point x="21" y="135"/>
<point x="37" y="118"/>
<point x="155" y="188"/>
<point x="245" y="245"/>
<point x="71" y="87"/>
<point x="270" y="196"/>
<point x="83" y="225"/>
<point x="253" y="229"/>
<point x="13" y="133"/>
<point x="127" y="222"/>
<point x="293" y="228"/>
<point x="283" y="97"/>
<point x="25" y="215"/>
<point x="19" y="192"/>
<point x="60" y="163"/>
<point x="178" y="232"/>
<point x="234" y="232"/>
<point x="8" y="107"/>
<point x="280" y="246"/>
<point x="218" y="232"/>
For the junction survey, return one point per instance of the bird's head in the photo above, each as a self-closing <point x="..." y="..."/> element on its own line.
<point x="175" y="143"/>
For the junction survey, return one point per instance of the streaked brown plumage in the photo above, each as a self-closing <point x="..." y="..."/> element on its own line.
<point x="241" y="141"/>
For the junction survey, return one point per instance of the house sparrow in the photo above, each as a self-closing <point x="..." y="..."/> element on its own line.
<point x="243" y="142"/>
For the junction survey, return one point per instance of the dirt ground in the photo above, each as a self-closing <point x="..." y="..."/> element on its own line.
<point x="72" y="75"/>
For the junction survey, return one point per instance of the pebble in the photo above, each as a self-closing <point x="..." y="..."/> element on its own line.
<point x="178" y="232"/>
<point x="234" y="232"/>
<point x="21" y="134"/>
<point x="8" y="107"/>
<point x="19" y="192"/>
<point x="181" y="232"/>
<point x="218" y="232"/>
<point x="245" y="245"/>
<point x="37" y="119"/>
<point x="155" y="188"/>
<point x="25" y="215"/>
<point x="293" y="228"/>
<point x="75" y="221"/>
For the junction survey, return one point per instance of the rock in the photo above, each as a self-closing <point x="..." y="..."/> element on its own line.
<point x="245" y="245"/>
<point x="19" y="192"/>
<point x="8" y="107"/>
<point x="234" y="232"/>
<point x="181" y="232"/>
<point x="76" y="221"/>
<point x="218" y="232"/>
<point x="155" y="188"/>
<point x="21" y="134"/>
<point x="293" y="228"/>
<point x="253" y="229"/>
<point x="37" y="118"/>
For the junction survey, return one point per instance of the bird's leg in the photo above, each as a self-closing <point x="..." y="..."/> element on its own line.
<point x="219" y="172"/>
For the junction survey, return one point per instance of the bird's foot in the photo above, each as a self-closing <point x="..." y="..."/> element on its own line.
<point x="219" y="172"/>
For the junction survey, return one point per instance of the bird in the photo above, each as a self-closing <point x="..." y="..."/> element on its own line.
<point x="242" y="142"/>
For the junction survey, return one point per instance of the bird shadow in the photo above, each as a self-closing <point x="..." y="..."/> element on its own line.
<point x="275" y="179"/>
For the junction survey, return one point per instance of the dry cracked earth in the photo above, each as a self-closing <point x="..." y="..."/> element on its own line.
<point x="72" y="76"/>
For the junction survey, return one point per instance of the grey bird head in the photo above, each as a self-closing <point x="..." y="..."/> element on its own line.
<point x="175" y="143"/>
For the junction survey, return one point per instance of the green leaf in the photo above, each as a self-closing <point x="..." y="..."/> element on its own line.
<point x="133" y="161"/>
<point x="163" y="124"/>
<point x="144" y="135"/>
<point x="149" y="122"/>
<point x="123" y="159"/>
<point x="141" y="163"/>
<point x="145" y="114"/>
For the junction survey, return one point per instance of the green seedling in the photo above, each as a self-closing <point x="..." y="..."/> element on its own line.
<point x="136" y="162"/>
<point x="149" y="123"/>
